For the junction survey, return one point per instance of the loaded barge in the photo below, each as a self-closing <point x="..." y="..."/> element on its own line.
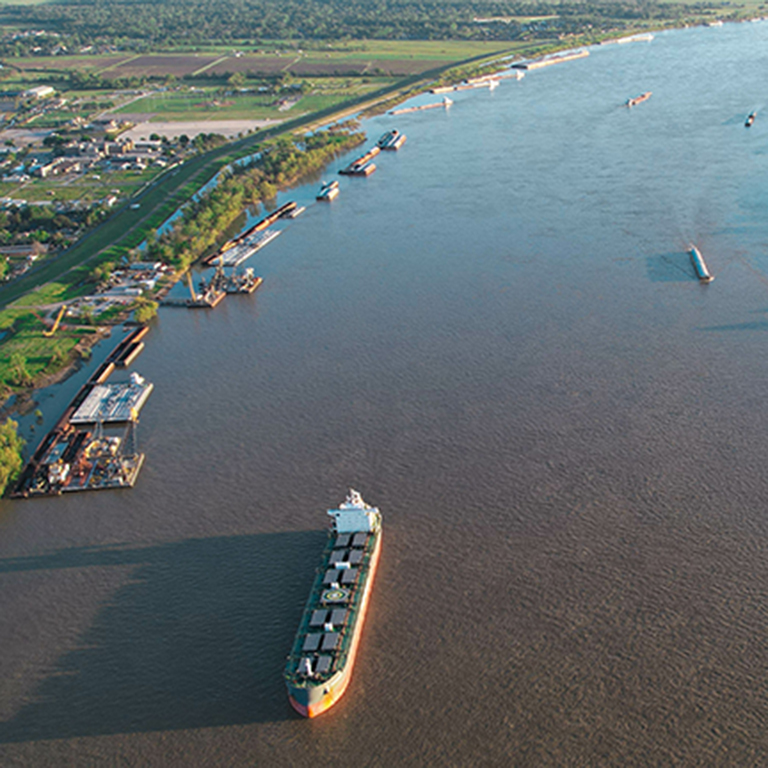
<point x="391" y="140"/>
<point x="247" y="243"/>
<point x="328" y="191"/>
<point x="320" y="664"/>
<point x="363" y="165"/>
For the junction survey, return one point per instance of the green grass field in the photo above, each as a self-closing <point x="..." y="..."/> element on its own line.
<point x="205" y="104"/>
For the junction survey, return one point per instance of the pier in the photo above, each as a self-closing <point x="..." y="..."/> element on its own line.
<point x="446" y="102"/>
<point x="76" y="455"/>
<point x="284" y="211"/>
<point x="700" y="265"/>
<point x="549" y="60"/>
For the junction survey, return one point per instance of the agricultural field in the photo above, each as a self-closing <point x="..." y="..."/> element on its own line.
<point x="208" y="104"/>
<point x="395" y="57"/>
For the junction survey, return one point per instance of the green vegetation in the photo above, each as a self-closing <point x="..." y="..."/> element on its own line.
<point x="144" y="27"/>
<point x="26" y="356"/>
<point x="10" y="453"/>
<point x="283" y="161"/>
<point x="144" y="310"/>
<point x="232" y="59"/>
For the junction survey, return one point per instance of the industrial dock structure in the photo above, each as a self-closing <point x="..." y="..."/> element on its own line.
<point x="93" y="445"/>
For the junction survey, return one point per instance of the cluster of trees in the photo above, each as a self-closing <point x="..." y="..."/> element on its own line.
<point x="42" y="224"/>
<point x="36" y="224"/>
<point x="282" y="162"/>
<point x="10" y="453"/>
<point x="147" y="25"/>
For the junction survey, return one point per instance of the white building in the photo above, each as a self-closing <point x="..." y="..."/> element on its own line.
<point x="39" y="92"/>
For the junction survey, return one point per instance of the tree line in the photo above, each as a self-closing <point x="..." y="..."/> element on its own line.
<point x="283" y="161"/>
<point x="144" y="26"/>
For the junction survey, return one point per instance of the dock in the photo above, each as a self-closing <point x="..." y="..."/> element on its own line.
<point x="699" y="265"/>
<point x="76" y="455"/>
<point x="113" y="403"/>
<point x="207" y="300"/>
<point x="284" y="211"/>
<point x="446" y="102"/>
<point x="548" y="61"/>
<point x="237" y="254"/>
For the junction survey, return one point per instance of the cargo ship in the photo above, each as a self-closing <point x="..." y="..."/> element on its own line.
<point x="320" y="664"/>
<point x="328" y="191"/>
<point x="391" y="140"/>
<point x="639" y="99"/>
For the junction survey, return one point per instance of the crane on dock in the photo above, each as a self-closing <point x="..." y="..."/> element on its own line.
<point x="56" y="322"/>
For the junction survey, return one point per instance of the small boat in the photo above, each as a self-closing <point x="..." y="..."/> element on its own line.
<point x="750" y="119"/>
<point x="639" y="99"/>
<point x="699" y="264"/>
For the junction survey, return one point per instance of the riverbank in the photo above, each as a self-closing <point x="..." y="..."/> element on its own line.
<point x="175" y="248"/>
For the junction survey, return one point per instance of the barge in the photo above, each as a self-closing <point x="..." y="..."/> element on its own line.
<point x="284" y="211"/>
<point x="320" y="664"/>
<point x="237" y="252"/>
<point x="639" y="99"/>
<point x="391" y="140"/>
<point x="363" y="165"/>
<point x="329" y="191"/>
<point x="700" y="265"/>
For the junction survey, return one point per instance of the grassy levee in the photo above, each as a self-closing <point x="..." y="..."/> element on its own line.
<point x="128" y="227"/>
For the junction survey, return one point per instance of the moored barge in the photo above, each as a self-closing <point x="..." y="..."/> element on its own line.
<point x="391" y="140"/>
<point x="320" y="664"/>
<point x="328" y="191"/>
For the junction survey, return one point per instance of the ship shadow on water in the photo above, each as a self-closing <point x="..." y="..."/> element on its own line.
<point x="670" y="268"/>
<point x="197" y="638"/>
